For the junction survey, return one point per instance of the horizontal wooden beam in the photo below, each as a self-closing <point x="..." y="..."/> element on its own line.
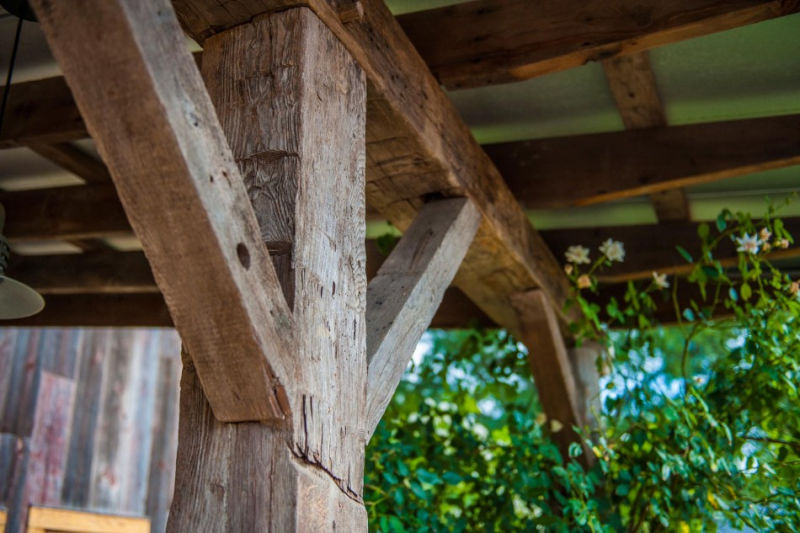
<point x="75" y="160"/>
<point x="653" y="247"/>
<point x="94" y="211"/>
<point x="75" y="212"/>
<point x="41" y="112"/>
<point x="406" y="292"/>
<point x="545" y="173"/>
<point x="85" y="273"/>
<point x="497" y="41"/>
<point x="149" y="310"/>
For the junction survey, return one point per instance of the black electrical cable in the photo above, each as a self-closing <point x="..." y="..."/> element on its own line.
<point x="13" y="60"/>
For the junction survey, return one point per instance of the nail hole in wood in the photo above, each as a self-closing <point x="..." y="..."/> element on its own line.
<point x="244" y="255"/>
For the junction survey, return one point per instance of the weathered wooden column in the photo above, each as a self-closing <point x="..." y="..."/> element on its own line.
<point x="292" y="103"/>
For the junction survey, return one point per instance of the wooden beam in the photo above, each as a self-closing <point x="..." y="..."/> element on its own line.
<point x="293" y="105"/>
<point x="653" y="247"/>
<point x="122" y="310"/>
<point x="73" y="159"/>
<point x="489" y="41"/>
<point x="145" y="105"/>
<point x="405" y="294"/>
<point x="633" y="86"/>
<point x="99" y="310"/>
<point x="556" y="383"/>
<point x="544" y="173"/>
<point x="85" y="273"/>
<point x="418" y="146"/>
<point x="41" y="112"/>
<point x="75" y="212"/>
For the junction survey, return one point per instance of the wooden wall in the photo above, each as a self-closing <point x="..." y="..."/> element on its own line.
<point x="88" y="420"/>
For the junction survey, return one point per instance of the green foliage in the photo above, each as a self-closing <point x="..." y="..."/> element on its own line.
<point x="699" y="425"/>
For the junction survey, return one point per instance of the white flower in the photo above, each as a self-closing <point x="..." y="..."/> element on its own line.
<point x="577" y="254"/>
<point x="614" y="250"/>
<point x="568" y="269"/>
<point x="764" y="234"/>
<point x="748" y="244"/>
<point x="783" y="243"/>
<point x="660" y="280"/>
<point x="584" y="281"/>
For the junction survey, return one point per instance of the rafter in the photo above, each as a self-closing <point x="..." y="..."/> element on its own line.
<point x="407" y="290"/>
<point x="158" y="121"/>
<point x="489" y="41"/>
<point x="75" y="160"/>
<point x="633" y="86"/>
<point x="544" y="173"/>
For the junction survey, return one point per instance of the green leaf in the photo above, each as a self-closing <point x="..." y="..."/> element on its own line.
<point x="733" y="294"/>
<point x="703" y="231"/>
<point x="688" y="314"/>
<point x="686" y="255"/>
<point x="745" y="291"/>
<point x="721" y="224"/>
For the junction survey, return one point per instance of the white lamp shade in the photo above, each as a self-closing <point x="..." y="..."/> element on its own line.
<point x="17" y="300"/>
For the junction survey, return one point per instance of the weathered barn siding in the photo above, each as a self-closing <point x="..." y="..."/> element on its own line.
<point x="88" y="420"/>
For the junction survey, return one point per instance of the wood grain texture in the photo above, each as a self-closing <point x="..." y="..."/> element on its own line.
<point x="293" y="104"/>
<point x="407" y="290"/>
<point x="197" y="228"/>
<point x="75" y="160"/>
<point x="556" y="381"/>
<point x="418" y="145"/>
<point x="497" y="41"/>
<point x="633" y="86"/>
<point x="544" y="173"/>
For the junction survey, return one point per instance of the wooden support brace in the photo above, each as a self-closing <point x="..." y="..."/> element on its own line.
<point x="147" y="108"/>
<point x="562" y="396"/>
<point x="405" y="294"/>
<point x="73" y="159"/>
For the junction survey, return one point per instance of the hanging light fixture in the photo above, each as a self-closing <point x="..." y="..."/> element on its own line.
<point x="17" y="300"/>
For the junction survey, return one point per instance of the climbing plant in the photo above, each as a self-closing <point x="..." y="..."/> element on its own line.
<point x="698" y="422"/>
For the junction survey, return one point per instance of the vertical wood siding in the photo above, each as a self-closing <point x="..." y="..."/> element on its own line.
<point x="88" y="420"/>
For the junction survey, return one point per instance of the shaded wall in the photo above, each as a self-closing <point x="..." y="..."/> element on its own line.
<point x="88" y="420"/>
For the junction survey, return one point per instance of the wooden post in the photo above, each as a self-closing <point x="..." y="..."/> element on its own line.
<point x="292" y="103"/>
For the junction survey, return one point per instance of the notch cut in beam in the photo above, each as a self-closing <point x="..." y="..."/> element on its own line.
<point x="403" y="297"/>
<point x="486" y="42"/>
<point x="146" y="106"/>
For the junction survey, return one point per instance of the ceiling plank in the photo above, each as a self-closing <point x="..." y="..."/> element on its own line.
<point x="147" y="108"/>
<point x="633" y="86"/>
<point x="486" y="42"/>
<point x="545" y="173"/>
